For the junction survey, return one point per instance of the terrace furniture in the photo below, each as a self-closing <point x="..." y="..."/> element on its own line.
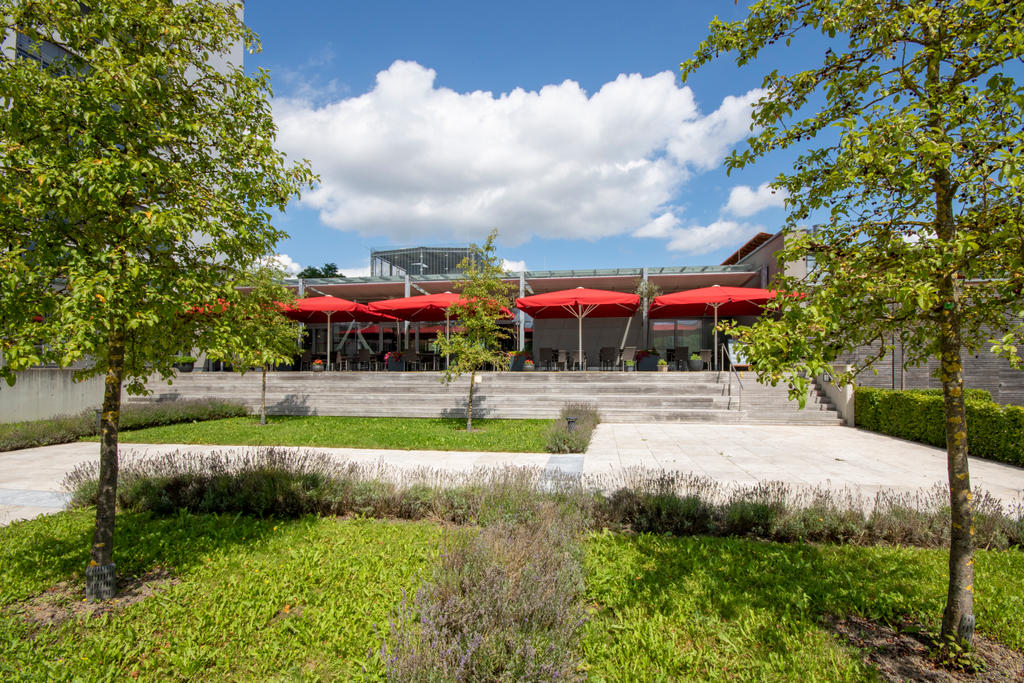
<point x="366" y="360"/>
<point x="680" y="355"/>
<point x="306" y="363"/>
<point x="705" y="357"/>
<point x="608" y="357"/>
<point x="340" y="361"/>
<point x="627" y="354"/>
<point x="562" y="360"/>
<point x="545" y="357"/>
<point x="411" y="360"/>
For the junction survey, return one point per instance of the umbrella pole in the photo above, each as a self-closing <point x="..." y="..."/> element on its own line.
<point x="718" y="361"/>
<point x="328" y="341"/>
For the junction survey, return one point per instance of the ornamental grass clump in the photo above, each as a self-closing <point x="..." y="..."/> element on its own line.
<point x="585" y="418"/>
<point x="504" y="604"/>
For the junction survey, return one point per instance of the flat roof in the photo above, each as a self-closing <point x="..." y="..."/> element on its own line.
<point x="668" y="278"/>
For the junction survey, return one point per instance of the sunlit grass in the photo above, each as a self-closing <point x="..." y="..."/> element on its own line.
<point x="443" y="434"/>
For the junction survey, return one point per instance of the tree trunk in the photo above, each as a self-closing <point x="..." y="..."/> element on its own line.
<point x="263" y="398"/>
<point x="469" y="408"/>
<point x="958" y="617"/>
<point x="100" y="574"/>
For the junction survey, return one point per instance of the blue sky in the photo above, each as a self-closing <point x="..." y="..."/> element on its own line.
<point x="563" y="125"/>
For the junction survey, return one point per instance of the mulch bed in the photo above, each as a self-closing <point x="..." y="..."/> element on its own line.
<point x="66" y="600"/>
<point x="903" y="653"/>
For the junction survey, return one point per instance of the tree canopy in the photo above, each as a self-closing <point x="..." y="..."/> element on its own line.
<point x="136" y="174"/>
<point x="327" y="270"/>
<point x="484" y="295"/>
<point x="910" y="133"/>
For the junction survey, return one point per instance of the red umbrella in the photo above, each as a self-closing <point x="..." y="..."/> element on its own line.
<point x="580" y="303"/>
<point x="425" y="308"/>
<point x="326" y="308"/>
<point x="729" y="301"/>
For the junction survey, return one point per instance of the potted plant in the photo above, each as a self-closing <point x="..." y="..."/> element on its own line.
<point x="695" y="363"/>
<point x="184" y="363"/>
<point x="528" y="365"/>
<point x="662" y="365"/>
<point x="317" y="365"/>
<point x="630" y="365"/>
<point x="517" y="360"/>
<point x="647" y="360"/>
<point x="393" y="361"/>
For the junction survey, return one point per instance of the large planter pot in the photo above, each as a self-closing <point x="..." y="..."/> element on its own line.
<point x="647" y="364"/>
<point x="518" y="363"/>
<point x="662" y="368"/>
<point x="185" y="367"/>
<point x="694" y="365"/>
<point x="317" y="368"/>
<point x="396" y="365"/>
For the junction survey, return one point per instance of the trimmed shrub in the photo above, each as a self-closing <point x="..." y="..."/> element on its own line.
<point x="560" y="440"/>
<point x="994" y="431"/>
<point x="68" y="428"/>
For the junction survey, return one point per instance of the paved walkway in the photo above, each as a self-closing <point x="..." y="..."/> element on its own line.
<point x="838" y="457"/>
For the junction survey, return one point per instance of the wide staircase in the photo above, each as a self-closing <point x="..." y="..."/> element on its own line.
<point x="707" y="397"/>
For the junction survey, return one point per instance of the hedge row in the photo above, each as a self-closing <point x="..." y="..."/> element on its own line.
<point x="68" y="428"/>
<point x="994" y="431"/>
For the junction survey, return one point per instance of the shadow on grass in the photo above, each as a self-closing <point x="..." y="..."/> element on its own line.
<point x="36" y="555"/>
<point x="726" y="577"/>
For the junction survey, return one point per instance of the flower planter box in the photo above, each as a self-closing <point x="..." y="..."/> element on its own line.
<point x="694" y="365"/>
<point x="518" y="363"/>
<point x="647" y="364"/>
<point x="396" y="365"/>
<point x="185" y="367"/>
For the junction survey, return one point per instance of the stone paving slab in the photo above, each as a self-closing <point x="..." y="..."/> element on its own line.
<point x="836" y="457"/>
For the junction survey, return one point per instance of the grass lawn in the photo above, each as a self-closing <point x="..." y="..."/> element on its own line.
<point x="735" y="609"/>
<point x="272" y="600"/>
<point x="257" y="599"/>
<point x="446" y="434"/>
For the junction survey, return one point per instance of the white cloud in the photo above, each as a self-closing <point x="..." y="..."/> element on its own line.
<point x="409" y="158"/>
<point x="285" y="263"/>
<point x="701" y="239"/>
<point x="746" y="202"/>
<point x="662" y="226"/>
<point x="513" y="266"/>
<point x="356" y="271"/>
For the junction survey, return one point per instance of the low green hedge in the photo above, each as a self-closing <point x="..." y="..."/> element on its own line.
<point x="994" y="431"/>
<point x="68" y="428"/>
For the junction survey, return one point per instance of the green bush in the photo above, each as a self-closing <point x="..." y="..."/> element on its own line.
<point x="994" y="431"/>
<point x="68" y="428"/>
<point x="560" y="440"/>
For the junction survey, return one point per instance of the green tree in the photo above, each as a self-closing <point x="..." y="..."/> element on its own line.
<point x="327" y="270"/>
<point x="267" y="337"/>
<point x="911" y="148"/>
<point x="134" y="181"/>
<point x="484" y="295"/>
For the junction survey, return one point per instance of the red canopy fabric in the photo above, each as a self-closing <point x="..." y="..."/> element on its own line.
<point x="579" y="303"/>
<point x="723" y="301"/>
<point x="320" y="309"/>
<point x="425" y="308"/>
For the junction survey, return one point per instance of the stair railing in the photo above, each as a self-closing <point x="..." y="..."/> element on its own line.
<point x="732" y="371"/>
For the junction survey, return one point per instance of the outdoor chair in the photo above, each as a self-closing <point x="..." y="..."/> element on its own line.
<point x="627" y="354"/>
<point x="366" y="360"/>
<point x="412" y="360"/>
<point x="607" y="357"/>
<point x="562" y="360"/>
<point x="340" y="361"/>
<point x="681" y="354"/>
<point x="545" y="357"/>
<point x="307" y="360"/>
<point x="706" y="356"/>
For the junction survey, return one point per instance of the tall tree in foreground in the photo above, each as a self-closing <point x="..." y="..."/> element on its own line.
<point x="912" y="150"/>
<point x="134" y="177"/>
<point x="478" y="342"/>
<point x="268" y="337"/>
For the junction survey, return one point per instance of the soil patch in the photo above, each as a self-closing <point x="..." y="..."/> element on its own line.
<point x="902" y="654"/>
<point x="66" y="600"/>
